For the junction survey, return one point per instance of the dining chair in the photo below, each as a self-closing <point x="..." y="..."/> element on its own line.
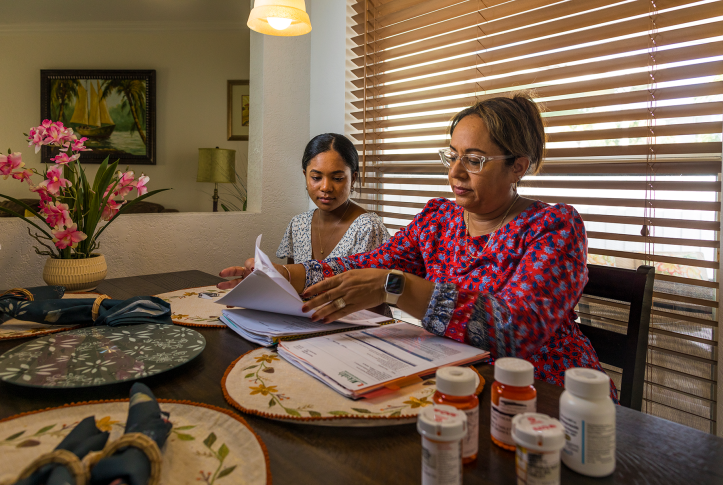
<point x="610" y="293"/>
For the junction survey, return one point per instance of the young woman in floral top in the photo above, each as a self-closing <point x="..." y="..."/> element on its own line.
<point x="493" y="269"/>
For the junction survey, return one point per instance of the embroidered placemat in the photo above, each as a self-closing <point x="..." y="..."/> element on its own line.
<point x="196" y="307"/>
<point x="207" y="445"/>
<point x="14" y="328"/>
<point x="95" y="356"/>
<point x="260" y="382"/>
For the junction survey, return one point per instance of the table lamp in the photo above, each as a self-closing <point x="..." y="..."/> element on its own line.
<point x="216" y="165"/>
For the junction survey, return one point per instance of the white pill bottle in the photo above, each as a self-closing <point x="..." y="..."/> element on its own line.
<point x="588" y="414"/>
<point x="442" y="428"/>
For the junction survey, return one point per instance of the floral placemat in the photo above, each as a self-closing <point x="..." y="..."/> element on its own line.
<point x="95" y="356"/>
<point x="260" y="382"/>
<point x="196" y="307"/>
<point x="14" y="328"/>
<point x="207" y="445"/>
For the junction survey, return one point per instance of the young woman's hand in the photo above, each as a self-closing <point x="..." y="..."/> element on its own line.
<point x="242" y="271"/>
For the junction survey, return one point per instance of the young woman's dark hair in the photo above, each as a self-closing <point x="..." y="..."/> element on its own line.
<point x="332" y="141"/>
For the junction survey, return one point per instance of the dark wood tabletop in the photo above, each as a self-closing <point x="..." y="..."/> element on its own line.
<point x="650" y="450"/>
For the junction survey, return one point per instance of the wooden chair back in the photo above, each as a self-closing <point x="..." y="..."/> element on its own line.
<point x="624" y="350"/>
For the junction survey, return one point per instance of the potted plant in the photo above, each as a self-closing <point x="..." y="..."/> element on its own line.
<point x="75" y="211"/>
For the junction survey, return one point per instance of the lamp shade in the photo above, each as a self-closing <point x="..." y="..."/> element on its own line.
<point x="216" y="165"/>
<point x="280" y="12"/>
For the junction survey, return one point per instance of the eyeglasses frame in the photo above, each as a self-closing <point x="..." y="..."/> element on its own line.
<point x="483" y="158"/>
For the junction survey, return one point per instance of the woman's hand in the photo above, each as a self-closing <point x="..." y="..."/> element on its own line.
<point x="359" y="288"/>
<point x="242" y="271"/>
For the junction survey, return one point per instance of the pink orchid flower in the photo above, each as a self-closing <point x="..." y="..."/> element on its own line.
<point x="54" y="135"/>
<point x="46" y="124"/>
<point x="125" y="183"/>
<point x="55" y="180"/>
<point x="69" y="237"/>
<point x="24" y="175"/>
<point x="56" y="214"/>
<point x="78" y="146"/>
<point x="111" y="209"/>
<point x="11" y="162"/>
<point x="42" y="192"/>
<point x="63" y="158"/>
<point x="141" y="184"/>
<point x="36" y="137"/>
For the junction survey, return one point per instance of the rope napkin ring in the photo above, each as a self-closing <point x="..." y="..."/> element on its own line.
<point x="63" y="457"/>
<point x="136" y="440"/>
<point x="22" y="291"/>
<point x="96" y="306"/>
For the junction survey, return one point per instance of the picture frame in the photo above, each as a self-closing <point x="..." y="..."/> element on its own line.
<point x="114" y="109"/>
<point x="238" y="109"/>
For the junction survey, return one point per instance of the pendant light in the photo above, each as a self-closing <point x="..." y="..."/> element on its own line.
<point x="280" y="17"/>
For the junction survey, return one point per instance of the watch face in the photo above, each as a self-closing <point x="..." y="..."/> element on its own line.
<point x="395" y="284"/>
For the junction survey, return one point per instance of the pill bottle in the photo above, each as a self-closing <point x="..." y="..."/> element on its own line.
<point x="442" y="428"/>
<point x="588" y="414"/>
<point x="456" y="387"/>
<point x="512" y="393"/>
<point x="538" y="439"/>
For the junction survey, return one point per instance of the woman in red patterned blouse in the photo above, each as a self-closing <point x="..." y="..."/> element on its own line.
<point x="493" y="269"/>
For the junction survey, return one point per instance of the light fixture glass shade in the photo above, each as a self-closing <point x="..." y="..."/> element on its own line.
<point x="295" y="10"/>
<point x="216" y="165"/>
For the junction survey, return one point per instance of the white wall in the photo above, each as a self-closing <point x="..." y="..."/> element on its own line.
<point x="192" y="67"/>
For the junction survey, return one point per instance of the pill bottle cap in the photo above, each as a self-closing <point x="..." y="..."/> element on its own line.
<point x="457" y="381"/>
<point x="514" y="372"/>
<point x="442" y="423"/>
<point x="587" y="383"/>
<point x="539" y="432"/>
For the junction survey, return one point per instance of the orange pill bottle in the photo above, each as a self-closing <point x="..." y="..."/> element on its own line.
<point x="513" y="393"/>
<point x="456" y="387"/>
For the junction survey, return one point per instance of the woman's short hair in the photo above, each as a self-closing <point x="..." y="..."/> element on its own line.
<point x="515" y="125"/>
<point x="332" y="141"/>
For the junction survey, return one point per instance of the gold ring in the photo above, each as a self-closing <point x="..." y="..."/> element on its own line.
<point x="339" y="303"/>
<point x="96" y="306"/>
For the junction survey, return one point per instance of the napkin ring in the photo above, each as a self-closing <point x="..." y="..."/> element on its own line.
<point x="62" y="457"/>
<point x="96" y="306"/>
<point x="22" y="291"/>
<point x="136" y="440"/>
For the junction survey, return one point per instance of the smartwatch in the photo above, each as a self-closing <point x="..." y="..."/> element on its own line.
<point x="393" y="286"/>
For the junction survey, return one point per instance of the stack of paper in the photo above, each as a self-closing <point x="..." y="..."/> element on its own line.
<point x="358" y="363"/>
<point x="271" y="308"/>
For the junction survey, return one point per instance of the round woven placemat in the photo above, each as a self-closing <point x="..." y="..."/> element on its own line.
<point x="188" y="308"/>
<point x="262" y="383"/>
<point x="208" y="445"/>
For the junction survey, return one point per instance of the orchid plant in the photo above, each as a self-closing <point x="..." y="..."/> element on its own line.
<point x="71" y="208"/>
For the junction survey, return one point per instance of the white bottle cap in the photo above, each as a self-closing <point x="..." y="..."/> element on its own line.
<point x="587" y="383"/>
<point x="514" y="372"/>
<point x="539" y="432"/>
<point x="457" y="381"/>
<point x="442" y="423"/>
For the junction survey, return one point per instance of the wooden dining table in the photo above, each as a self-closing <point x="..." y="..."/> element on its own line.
<point x="650" y="450"/>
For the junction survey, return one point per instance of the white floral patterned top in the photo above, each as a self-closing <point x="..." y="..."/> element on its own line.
<point x="366" y="233"/>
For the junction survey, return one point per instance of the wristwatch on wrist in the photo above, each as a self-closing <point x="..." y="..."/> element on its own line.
<point x="393" y="286"/>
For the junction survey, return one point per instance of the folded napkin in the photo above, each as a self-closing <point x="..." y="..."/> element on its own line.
<point x="83" y="439"/>
<point x="136" y="310"/>
<point x="38" y="293"/>
<point x="130" y="465"/>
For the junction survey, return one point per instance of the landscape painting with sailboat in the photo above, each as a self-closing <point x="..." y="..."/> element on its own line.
<point x="111" y="113"/>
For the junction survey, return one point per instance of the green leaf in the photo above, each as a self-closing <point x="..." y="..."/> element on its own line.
<point x="210" y="440"/>
<point x="272" y="402"/>
<point x="292" y="412"/>
<point x="314" y="413"/>
<point x="126" y="207"/>
<point x="361" y="410"/>
<point x="44" y="429"/>
<point x="338" y="413"/>
<point x="226" y="471"/>
<point x="16" y="435"/>
<point x="181" y="428"/>
<point x="396" y="413"/>
<point x="3" y="209"/>
<point x="249" y="375"/>
<point x="185" y="437"/>
<point x="28" y="444"/>
<point x="99" y="174"/>
<point x="26" y="207"/>
<point x="250" y="367"/>
<point x="223" y="452"/>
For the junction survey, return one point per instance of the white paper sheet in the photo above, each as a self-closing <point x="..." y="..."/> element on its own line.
<point x="267" y="290"/>
<point x="363" y="360"/>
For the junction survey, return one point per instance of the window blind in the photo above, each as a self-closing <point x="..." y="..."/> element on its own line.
<point x="633" y="98"/>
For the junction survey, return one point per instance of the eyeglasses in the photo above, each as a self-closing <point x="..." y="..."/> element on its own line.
<point x="471" y="163"/>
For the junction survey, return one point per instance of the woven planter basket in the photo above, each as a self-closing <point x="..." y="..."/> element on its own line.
<point x="75" y="274"/>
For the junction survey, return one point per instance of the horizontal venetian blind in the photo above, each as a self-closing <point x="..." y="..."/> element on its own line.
<point x="633" y="99"/>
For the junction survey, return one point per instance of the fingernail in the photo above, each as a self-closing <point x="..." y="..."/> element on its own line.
<point x="304" y="308"/>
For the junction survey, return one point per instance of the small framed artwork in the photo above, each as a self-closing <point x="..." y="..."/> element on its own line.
<point x="238" y="110"/>
<point x="114" y="109"/>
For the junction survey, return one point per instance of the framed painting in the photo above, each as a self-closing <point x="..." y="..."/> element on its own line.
<point x="114" y="109"/>
<point x="238" y="110"/>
